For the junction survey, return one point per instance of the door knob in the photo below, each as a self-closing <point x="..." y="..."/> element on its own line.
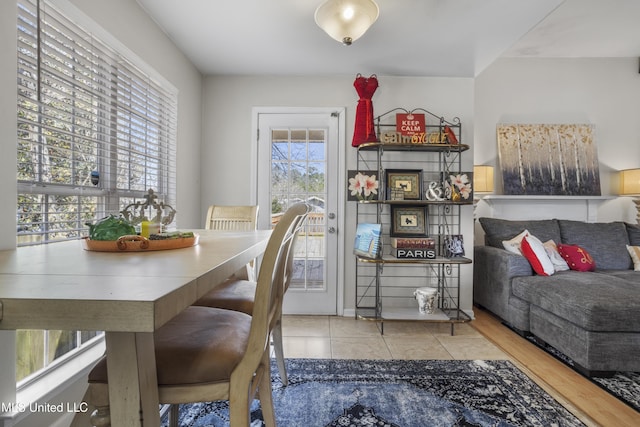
<point x="331" y="230"/>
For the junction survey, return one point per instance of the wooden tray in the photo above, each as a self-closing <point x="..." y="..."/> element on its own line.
<point x="134" y="243"/>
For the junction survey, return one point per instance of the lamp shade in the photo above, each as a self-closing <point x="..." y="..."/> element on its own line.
<point x="483" y="179"/>
<point x="346" y="20"/>
<point x="630" y="182"/>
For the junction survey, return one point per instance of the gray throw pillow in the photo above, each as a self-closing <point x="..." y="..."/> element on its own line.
<point x="633" y="231"/>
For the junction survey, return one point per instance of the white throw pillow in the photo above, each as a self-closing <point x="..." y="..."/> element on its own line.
<point x="559" y="264"/>
<point x="634" y="251"/>
<point x="513" y="245"/>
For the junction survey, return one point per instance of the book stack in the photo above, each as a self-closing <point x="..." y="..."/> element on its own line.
<point x="413" y="247"/>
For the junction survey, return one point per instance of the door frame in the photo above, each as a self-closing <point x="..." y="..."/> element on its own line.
<point x="341" y="196"/>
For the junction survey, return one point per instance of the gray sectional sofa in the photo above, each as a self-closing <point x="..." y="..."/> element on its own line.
<point x="591" y="317"/>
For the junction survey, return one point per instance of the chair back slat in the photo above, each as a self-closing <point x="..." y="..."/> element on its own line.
<point x="232" y="218"/>
<point x="231" y="224"/>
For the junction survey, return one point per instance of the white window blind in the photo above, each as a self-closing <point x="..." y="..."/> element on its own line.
<point x="94" y="131"/>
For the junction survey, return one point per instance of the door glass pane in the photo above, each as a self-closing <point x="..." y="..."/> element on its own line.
<point x="279" y="178"/>
<point x="298" y="174"/>
<point x="299" y="135"/>
<point x="316" y="150"/>
<point x="280" y="135"/>
<point x="279" y="150"/>
<point x="280" y="142"/>
<point x="316" y="177"/>
<point x="298" y="180"/>
<point x="298" y="151"/>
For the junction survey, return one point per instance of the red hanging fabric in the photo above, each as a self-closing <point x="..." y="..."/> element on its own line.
<point x="363" y="129"/>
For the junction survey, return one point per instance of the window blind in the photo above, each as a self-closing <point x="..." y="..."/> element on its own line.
<point x="95" y="131"/>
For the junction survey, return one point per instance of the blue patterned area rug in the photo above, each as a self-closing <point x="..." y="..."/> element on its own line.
<point x="397" y="393"/>
<point x="623" y="385"/>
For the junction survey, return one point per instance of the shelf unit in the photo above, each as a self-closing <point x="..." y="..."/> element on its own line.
<point x="385" y="285"/>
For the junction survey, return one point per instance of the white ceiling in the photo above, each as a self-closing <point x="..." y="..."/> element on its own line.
<point x="452" y="38"/>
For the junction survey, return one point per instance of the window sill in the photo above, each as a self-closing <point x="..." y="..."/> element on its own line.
<point x="53" y="382"/>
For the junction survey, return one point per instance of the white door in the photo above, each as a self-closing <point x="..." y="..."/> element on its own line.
<point x="298" y="160"/>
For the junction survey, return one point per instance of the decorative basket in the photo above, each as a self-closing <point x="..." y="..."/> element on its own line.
<point x="134" y="243"/>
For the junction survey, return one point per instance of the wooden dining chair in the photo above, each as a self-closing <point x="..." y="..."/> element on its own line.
<point x="234" y="218"/>
<point x="239" y="295"/>
<point x="206" y="354"/>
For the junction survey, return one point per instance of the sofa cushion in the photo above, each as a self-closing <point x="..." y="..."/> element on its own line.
<point x="496" y="230"/>
<point x="592" y="350"/>
<point x="633" y="231"/>
<point x="593" y="301"/>
<point x="606" y="242"/>
<point x="628" y="275"/>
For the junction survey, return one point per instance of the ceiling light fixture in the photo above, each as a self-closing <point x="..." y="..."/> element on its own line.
<point x="346" y="20"/>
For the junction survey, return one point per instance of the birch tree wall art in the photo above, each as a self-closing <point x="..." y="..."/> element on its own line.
<point x="548" y="159"/>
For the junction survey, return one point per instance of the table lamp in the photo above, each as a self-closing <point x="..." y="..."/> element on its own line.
<point x="482" y="183"/>
<point x="483" y="179"/>
<point x="630" y="186"/>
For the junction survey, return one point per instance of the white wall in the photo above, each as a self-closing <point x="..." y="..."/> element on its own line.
<point x="604" y="92"/>
<point x="227" y="139"/>
<point x="227" y="115"/>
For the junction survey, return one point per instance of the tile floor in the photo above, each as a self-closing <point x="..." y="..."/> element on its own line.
<point x="334" y="337"/>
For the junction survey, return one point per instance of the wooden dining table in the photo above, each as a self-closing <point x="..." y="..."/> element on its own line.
<point x="129" y="295"/>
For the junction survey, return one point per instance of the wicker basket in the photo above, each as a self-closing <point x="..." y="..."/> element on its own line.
<point x="134" y="243"/>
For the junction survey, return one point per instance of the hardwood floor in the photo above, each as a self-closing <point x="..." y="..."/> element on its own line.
<point x="593" y="405"/>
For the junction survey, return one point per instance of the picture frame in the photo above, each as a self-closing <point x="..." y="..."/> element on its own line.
<point x="408" y="180"/>
<point x="408" y="221"/>
<point x="362" y="185"/>
<point x="458" y="186"/>
<point x="453" y="246"/>
<point x="368" y="241"/>
<point x="522" y="147"/>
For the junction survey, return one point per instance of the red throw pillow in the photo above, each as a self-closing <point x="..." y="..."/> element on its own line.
<point x="534" y="252"/>
<point x="577" y="257"/>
